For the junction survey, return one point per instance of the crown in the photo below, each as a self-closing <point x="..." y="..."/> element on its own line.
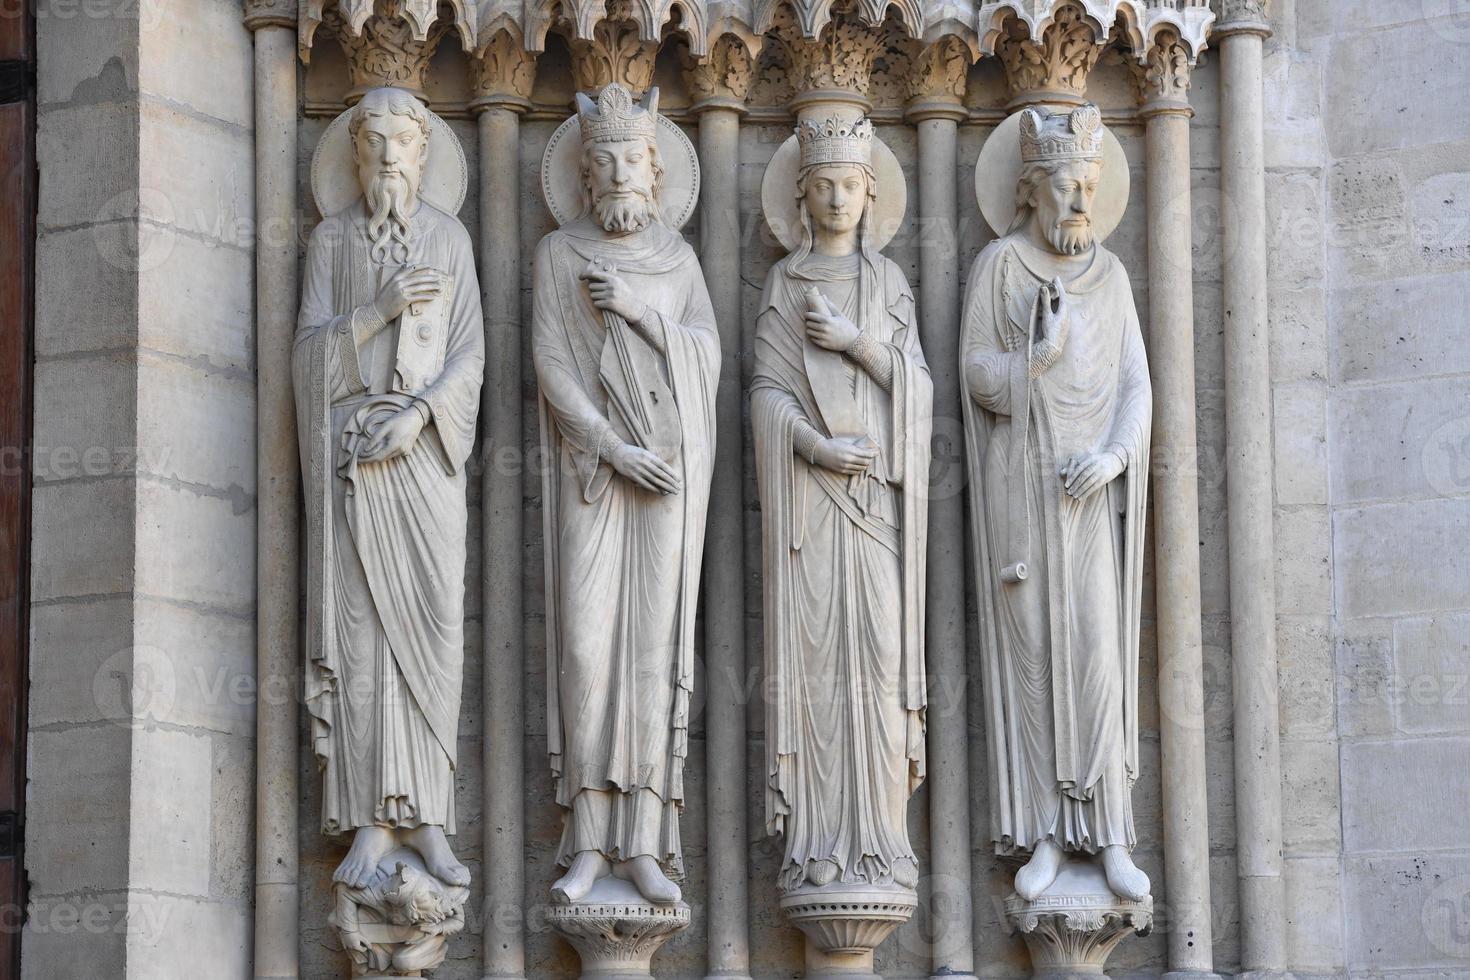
<point x="1048" y="136"/>
<point x="614" y="116"/>
<point x="835" y="141"/>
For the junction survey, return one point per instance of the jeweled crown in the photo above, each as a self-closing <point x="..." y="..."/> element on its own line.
<point x="1048" y="136"/>
<point x="835" y="140"/>
<point x="615" y="116"/>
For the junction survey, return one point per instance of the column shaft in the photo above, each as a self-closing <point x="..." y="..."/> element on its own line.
<point x="1176" y="541"/>
<point x="278" y="501"/>
<point x="1248" y="472"/>
<point x="948" y="716"/>
<point x="724" y="571"/>
<point x="503" y="868"/>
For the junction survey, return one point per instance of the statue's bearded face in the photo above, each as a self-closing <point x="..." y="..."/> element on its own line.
<point x="835" y="196"/>
<point x="1061" y="201"/>
<point x="621" y="179"/>
<point x="390" y="146"/>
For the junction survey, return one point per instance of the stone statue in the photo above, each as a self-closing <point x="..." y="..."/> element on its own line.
<point x="627" y="355"/>
<point x="388" y="358"/>
<point x="841" y="408"/>
<point x="1057" y="422"/>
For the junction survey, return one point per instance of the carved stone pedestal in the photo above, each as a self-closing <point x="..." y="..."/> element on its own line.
<point x="615" y="930"/>
<point x="1073" y="926"/>
<point x="399" y="924"/>
<point x="845" y="924"/>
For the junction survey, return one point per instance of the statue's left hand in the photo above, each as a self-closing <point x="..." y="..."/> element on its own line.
<point x="395" y="437"/>
<point x="1084" y="473"/>
<point x="611" y="292"/>
<point x="831" y="330"/>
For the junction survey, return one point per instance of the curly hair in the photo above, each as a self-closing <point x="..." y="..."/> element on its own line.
<point x="387" y="101"/>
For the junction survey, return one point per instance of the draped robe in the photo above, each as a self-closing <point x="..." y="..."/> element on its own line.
<point x="844" y="582"/>
<point x="385" y="540"/>
<point x="1060" y="648"/>
<point x="622" y="562"/>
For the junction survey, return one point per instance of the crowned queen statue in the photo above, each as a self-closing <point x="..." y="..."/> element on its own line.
<point x="628" y="360"/>
<point x="1057" y="420"/>
<point x="841" y="408"/>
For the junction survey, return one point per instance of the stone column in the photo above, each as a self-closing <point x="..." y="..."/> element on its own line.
<point x="719" y="86"/>
<point x="1164" y="99"/>
<point x="936" y="91"/>
<point x="278" y="488"/>
<point x="1249" y="487"/>
<point x="502" y="73"/>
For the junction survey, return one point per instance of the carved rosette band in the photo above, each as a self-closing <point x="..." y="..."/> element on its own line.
<point x="1054" y="69"/>
<point x="502" y="74"/>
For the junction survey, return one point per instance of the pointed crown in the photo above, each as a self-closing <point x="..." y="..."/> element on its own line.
<point x="615" y="117"/>
<point x="835" y="140"/>
<point x="1048" y="136"/>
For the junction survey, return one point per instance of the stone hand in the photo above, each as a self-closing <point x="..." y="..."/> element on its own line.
<point x="411" y="284"/>
<point x="394" y="437"/>
<point x="1083" y="473"/>
<point x="645" y="469"/>
<point x="1054" y="314"/>
<point x="845" y="456"/>
<point x="611" y="292"/>
<point x="831" y="329"/>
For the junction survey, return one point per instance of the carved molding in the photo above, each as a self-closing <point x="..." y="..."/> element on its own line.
<point x="840" y="59"/>
<point x="1135" y="22"/>
<point x="811" y="17"/>
<point x="940" y="70"/>
<point x="616" y="51"/>
<point x="1237" y="11"/>
<point x="385" y="49"/>
<point x="399" y="22"/>
<point x="582" y="19"/>
<point x="1056" y="67"/>
<point x="503" y="71"/>
<point x="270" y="13"/>
<point x="1162" y="81"/>
<point x="724" y="76"/>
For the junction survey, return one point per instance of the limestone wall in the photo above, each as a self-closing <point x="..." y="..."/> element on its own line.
<point x="139" y="840"/>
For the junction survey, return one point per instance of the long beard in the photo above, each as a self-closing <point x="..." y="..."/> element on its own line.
<point x="622" y="215"/>
<point x="1070" y="239"/>
<point x="387" y="199"/>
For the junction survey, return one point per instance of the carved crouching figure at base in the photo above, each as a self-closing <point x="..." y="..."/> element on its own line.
<point x="387" y="362"/>
<point x="1057" y="421"/>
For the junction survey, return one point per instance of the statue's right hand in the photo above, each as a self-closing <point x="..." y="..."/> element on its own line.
<point x="411" y="284"/>
<point x="845" y="456"/>
<point x="1054" y="313"/>
<point x="645" y="469"/>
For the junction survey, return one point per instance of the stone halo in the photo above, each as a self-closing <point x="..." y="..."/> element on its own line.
<point x="334" y="176"/>
<point x="999" y="168"/>
<point x="783" y="212"/>
<point x="561" y="173"/>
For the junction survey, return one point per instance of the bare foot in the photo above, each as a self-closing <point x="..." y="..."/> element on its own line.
<point x="573" y="886"/>
<point x="1039" y="872"/>
<point x="1125" y="878"/>
<point x="439" y="858"/>
<point x="369" y="846"/>
<point x="643" y="871"/>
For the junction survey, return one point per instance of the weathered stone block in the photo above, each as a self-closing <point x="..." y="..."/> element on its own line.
<point x="197" y="424"/>
<point x="82" y="539"/>
<point x="169" y="795"/>
<point x="1400" y="328"/>
<point x="1310" y="821"/>
<point x="1401" y="441"/>
<point x="1304" y="567"/>
<point x="183" y="42"/>
<point x="1425" y="770"/>
<point x="86" y="792"/>
<point x="1374" y="80"/>
<point x="1432" y="668"/>
<point x="1405" y="912"/>
<point x="199" y="543"/>
<point x="1401" y="558"/>
<point x="1300" y="442"/>
<point x="1314" y="914"/>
